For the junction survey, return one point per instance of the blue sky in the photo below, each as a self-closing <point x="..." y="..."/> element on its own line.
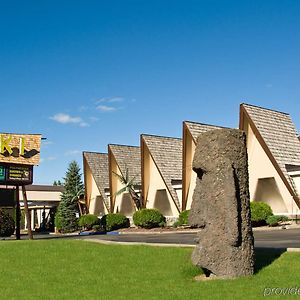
<point x="88" y="73"/>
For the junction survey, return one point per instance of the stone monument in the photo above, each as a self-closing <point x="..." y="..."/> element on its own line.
<point x="221" y="205"/>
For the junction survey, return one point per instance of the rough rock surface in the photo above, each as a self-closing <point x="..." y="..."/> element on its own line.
<point x="221" y="205"/>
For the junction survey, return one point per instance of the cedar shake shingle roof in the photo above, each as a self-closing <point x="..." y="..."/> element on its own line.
<point x="98" y="163"/>
<point x="198" y="128"/>
<point x="279" y="134"/>
<point x="128" y="157"/>
<point x="167" y="155"/>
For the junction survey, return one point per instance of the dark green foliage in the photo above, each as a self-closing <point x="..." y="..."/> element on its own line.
<point x="98" y="228"/>
<point x="88" y="221"/>
<point x="65" y="218"/>
<point x="148" y="218"/>
<point x="7" y="223"/>
<point x="73" y="183"/>
<point x="114" y="221"/>
<point x="260" y="211"/>
<point x="275" y="220"/>
<point x="183" y="217"/>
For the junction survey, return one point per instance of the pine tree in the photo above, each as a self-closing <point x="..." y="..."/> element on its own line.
<point x="65" y="218"/>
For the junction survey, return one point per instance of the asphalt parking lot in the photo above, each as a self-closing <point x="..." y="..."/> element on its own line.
<point x="288" y="238"/>
<point x="279" y="238"/>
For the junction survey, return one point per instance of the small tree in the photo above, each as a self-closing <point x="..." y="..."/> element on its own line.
<point x="128" y="186"/>
<point x="65" y="218"/>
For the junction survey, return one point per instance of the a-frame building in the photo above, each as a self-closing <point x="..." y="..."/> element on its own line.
<point x="123" y="159"/>
<point x="273" y="158"/>
<point x="162" y="173"/>
<point x="191" y="131"/>
<point x="96" y="182"/>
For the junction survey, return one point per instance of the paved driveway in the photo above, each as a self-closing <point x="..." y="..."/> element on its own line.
<point x="279" y="238"/>
<point x="289" y="238"/>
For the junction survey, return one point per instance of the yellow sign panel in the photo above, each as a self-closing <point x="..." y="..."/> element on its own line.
<point x="20" y="148"/>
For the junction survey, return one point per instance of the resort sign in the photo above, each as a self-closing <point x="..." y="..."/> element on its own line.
<point x="20" y="149"/>
<point x="16" y="174"/>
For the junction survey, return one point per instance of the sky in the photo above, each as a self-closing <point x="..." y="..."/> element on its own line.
<point x="88" y="73"/>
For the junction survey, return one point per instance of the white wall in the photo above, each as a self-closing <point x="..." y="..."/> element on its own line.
<point x="158" y="195"/>
<point x="264" y="181"/>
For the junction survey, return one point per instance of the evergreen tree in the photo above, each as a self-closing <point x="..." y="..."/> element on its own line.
<point x="65" y="218"/>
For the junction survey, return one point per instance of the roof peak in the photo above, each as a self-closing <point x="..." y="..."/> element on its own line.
<point x="260" y="107"/>
<point x="160" y="136"/>
<point x="199" y="123"/>
<point x="123" y="145"/>
<point x="94" y="152"/>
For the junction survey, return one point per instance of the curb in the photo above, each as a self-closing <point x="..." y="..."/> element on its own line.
<point x="158" y="232"/>
<point x="106" y="242"/>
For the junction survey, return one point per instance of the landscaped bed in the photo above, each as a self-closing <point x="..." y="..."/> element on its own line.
<point x="64" y="269"/>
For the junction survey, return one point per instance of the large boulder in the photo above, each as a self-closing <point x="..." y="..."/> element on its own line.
<point x="221" y="205"/>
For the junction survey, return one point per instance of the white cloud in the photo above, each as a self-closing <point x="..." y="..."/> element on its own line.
<point x="93" y="119"/>
<point x="67" y="119"/>
<point x="84" y="124"/>
<point x="72" y="152"/>
<point x="83" y="108"/>
<point x="46" y="143"/>
<point x="110" y="100"/>
<point x="50" y="158"/>
<point x="106" y="108"/>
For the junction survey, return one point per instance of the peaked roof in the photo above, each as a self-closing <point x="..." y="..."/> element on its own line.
<point x="167" y="155"/>
<point x="128" y="157"/>
<point x="198" y="128"/>
<point x="279" y="134"/>
<point x="98" y="163"/>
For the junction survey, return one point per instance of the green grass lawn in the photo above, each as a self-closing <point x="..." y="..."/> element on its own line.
<point x="64" y="269"/>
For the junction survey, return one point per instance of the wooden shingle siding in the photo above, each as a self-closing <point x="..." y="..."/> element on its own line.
<point x="279" y="134"/>
<point x="98" y="163"/>
<point x="167" y="155"/>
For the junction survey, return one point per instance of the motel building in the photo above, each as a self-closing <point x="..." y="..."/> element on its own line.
<point x="42" y="203"/>
<point x="19" y="153"/>
<point x="163" y="167"/>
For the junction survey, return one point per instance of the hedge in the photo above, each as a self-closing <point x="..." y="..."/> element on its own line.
<point x="114" y="221"/>
<point x="7" y="223"/>
<point x="260" y="211"/>
<point x="148" y="218"/>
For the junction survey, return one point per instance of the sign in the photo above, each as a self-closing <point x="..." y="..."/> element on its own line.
<point x="16" y="174"/>
<point x="20" y="148"/>
<point x="2" y="173"/>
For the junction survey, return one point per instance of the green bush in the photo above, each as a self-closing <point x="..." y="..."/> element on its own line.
<point x="88" y="221"/>
<point x="148" y="218"/>
<point x="260" y="211"/>
<point x="183" y="218"/>
<point x="114" y="221"/>
<point x="97" y="227"/>
<point x="7" y="223"/>
<point x="274" y="220"/>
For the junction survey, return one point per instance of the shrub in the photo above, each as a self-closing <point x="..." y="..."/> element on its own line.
<point x="7" y="223"/>
<point x="148" y="218"/>
<point x="260" y="211"/>
<point x="114" y="221"/>
<point x="183" y="218"/>
<point x="97" y="227"/>
<point x="274" y="220"/>
<point x="88" y="221"/>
